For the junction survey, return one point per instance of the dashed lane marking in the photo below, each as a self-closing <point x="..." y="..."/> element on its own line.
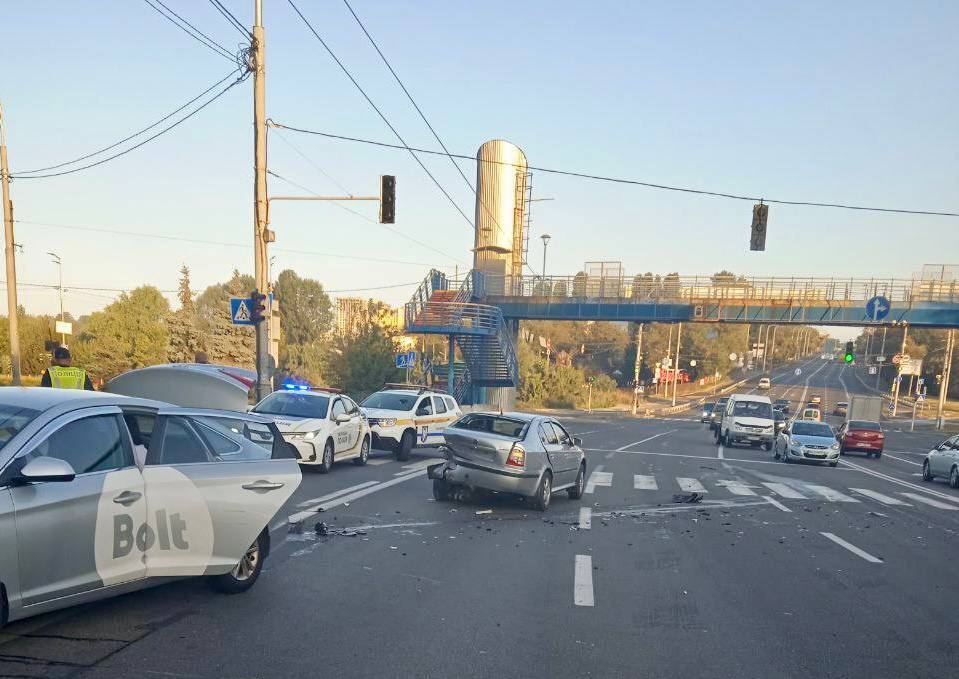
<point x="885" y="499"/>
<point x="598" y="478"/>
<point x="585" y="518"/>
<point x="736" y="487"/>
<point x="852" y="548"/>
<point x="785" y="491"/>
<point x="341" y="491"/>
<point x="690" y="485"/>
<point x="901" y="459"/>
<point x="929" y="501"/>
<point x="583" y="580"/>
<point x="350" y="497"/>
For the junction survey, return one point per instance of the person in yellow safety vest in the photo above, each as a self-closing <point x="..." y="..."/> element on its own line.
<point x="62" y="374"/>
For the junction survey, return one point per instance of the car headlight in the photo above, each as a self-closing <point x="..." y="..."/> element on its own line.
<point x="795" y="442"/>
<point x="835" y="446"/>
<point x="311" y="435"/>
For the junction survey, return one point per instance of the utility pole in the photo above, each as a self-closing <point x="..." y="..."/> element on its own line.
<point x="946" y="374"/>
<point x="636" y="367"/>
<point x="59" y="263"/>
<point x="882" y="352"/>
<point x="765" y="348"/>
<point x="261" y="234"/>
<point x="772" y="353"/>
<point x="664" y="376"/>
<point x="679" y="334"/>
<point x="902" y="352"/>
<point x="12" y="308"/>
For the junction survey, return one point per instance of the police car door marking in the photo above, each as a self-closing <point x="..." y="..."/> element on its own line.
<point x="424" y="433"/>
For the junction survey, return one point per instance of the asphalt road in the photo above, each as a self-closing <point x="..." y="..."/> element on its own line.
<point x="782" y="571"/>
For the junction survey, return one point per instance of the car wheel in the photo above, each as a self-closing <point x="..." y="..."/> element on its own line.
<point x="877" y="455"/>
<point x="767" y="446"/>
<point x="543" y="493"/>
<point x="954" y="478"/>
<point x="926" y="474"/>
<point x="245" y="573"/>
<point x="833" y="464"/>
<point x="441" y="490"/>
<point x="403" y="448"/>
<point x="326" y="464"/>
<point x="576" y="492"/>
<point x="364" y="452"/>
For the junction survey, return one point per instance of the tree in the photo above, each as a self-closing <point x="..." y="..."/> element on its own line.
<point x="129" y="333"/>
<point x="186" y="339"/>
<point x="223" y="341"/>
<point x="360" y="363"/>
<point x="306" y="315"/>
<point x="184" y="293"/>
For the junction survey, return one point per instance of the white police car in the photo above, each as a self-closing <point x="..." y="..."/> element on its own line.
<point x="402" y="416"/>
<point x="323" y="424"/>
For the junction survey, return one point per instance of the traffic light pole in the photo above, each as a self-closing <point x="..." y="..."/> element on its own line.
<point x="261" y="234"/>
<point x="675" y="370"/>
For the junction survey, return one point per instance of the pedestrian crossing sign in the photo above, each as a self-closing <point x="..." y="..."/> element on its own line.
<point x="240" y="311"/>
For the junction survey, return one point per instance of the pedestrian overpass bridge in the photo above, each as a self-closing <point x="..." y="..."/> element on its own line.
<point x="480" y="312"/>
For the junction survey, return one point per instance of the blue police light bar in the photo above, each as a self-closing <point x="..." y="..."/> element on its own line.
<point x="292" y="386"/>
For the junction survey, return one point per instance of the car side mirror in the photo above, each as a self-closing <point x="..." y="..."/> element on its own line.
<point x="47" y="469"/>
<point x="577" y="441"/>
<point x="342" y="419"/>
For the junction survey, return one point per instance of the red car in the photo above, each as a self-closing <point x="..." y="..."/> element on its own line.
<point x="861" y="435"/>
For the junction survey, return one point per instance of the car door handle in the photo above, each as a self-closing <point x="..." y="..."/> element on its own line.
<point x="127" y="497"/>
<point x="262" y="485"/>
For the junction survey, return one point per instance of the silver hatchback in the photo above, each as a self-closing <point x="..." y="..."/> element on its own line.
<point x="528" y="455"/>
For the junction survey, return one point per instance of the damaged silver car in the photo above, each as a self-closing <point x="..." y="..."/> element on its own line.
<point x="528" y="455"/>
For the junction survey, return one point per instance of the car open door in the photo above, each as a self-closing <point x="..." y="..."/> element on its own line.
<point x="214" y="480"/>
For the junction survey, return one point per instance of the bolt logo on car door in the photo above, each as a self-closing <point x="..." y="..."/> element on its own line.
<point x="169" y="534"/>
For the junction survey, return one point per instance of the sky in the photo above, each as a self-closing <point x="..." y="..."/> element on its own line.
<point x="851" y="102"/>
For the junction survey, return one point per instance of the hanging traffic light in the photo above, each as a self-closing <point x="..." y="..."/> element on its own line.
<point x="850" y="353"/>
<point x="387" y="199"/>
<point x="757" y="238"/>
<point x="257" y="307"/>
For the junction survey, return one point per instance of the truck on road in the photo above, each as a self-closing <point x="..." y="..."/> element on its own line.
<point x="868" y="408"/>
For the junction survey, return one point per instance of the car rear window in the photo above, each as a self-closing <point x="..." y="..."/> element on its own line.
<point x="388" y="401"/>
<point x="493" y="424"/>
<point x="864" y="424"/>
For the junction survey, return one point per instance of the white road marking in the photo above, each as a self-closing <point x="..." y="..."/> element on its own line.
<point x="585" y="518"/>
<point x="785" y="491"/>
<point x="830" y="494"/>
<point x="719" y="452"/>
<point x="341" y="491"/>
<point x="417" y="466"/>
<point x="907" y="484"/>
<point x="598" y="478"/>
<point x="636" y="443"/>
<point x="690" y="485"/>
<point x="852" y="548"/>
<point x="583" y="581"/>
<point x="885" y="499"/>
<point x="343" y="499"/>
<point x="929" y="501"/>
<point x="692" y="457"/>
<point x="915" y="464"/>
<point x="643" y="482"/>
<point x="735" y="487"/>
<point x="776" y="503"/>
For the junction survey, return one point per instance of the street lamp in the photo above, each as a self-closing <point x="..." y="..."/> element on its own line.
<point x="56" y="260"/>
<point x="545" y="238"/>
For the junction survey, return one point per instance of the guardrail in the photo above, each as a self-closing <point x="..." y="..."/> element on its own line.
<point x="649" y="288"/>
<point x="465" y="317"/>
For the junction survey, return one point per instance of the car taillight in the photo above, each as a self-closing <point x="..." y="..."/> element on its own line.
<point x="517" y="456"/>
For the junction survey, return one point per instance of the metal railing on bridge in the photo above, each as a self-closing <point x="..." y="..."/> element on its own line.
<point x="660" y="289"/>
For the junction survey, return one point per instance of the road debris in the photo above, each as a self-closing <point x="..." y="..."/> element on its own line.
<point x="484" y="511"/>
<point x="688" y="498"/>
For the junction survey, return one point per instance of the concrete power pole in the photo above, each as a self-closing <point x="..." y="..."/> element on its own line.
<point x="946" y="374"/>
<point x="636" y="367"/>
<point x="679" y="334"/>
<point x="10" y="255"/>
<point x="902" y="352"/>
<point x="261" y="234"/>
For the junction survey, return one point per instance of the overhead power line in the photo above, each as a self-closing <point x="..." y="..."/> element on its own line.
<point x="620" y="180"/>
<point x="163" y="131"/>
<point x="312" y="162"/>
<point x="199" y="241"/>
<point x="381" y="115"/>
<point x="135" y="134"/>
<point x="190" y="29"/>
<point x="232" y="20"/>
<point x="362" y="216"/>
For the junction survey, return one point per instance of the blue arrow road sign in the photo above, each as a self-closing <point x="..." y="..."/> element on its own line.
<point x="878" y="308"/>
<point x="240" y="310"/>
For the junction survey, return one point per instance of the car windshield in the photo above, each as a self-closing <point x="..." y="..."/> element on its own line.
<point x="293" y="404"/>
<point x="812" y="429"/>
<point x="864" y="424"/>
<point x="13" y="418"/>
<point x="708" y="407"/>
<point x="385" y="400"/>
<point x="753" y="409"/>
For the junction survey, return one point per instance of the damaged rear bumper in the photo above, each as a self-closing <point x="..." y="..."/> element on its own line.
<point x="498" y="480"/>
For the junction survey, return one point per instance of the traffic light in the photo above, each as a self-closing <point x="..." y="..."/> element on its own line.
<point x="387" y="199"/>
<point x="757" y="240"/>
<point x="257" y="307"/>
<point x="850" y="355"/>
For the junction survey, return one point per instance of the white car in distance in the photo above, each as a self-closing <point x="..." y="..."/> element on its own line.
<point x="323" y="425"/>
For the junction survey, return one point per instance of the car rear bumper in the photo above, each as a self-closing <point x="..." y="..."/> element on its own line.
<point x="734" y="437"/>
<point x="870" y="446"/>
<point x="498" y="480"/>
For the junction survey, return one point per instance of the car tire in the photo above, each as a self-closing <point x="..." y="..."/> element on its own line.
<point x="441" y="490"/>
<point x="544" y="492"/>
<point x="767" y="446"/>
<point x="245" y="574"/>
<point x="926" y="474"/>
<point x="576" y="492"/>
<point x="364" y="452"/>
<point x="834" y="464"/>
<point x="403" y="448"/>
<point x="877" y="455"/>
<point x="954" y="477"/>
<point x="326" y="463"/>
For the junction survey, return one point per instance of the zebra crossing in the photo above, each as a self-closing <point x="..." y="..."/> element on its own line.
<point x="789" y="490"/>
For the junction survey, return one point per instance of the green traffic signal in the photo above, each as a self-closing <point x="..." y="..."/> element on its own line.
<point x="848" y="358"/>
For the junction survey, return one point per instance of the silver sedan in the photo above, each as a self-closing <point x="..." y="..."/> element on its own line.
<point x="810" y="441"/>
<point x="528" y="455"/>
<point x="103" y="494"/>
